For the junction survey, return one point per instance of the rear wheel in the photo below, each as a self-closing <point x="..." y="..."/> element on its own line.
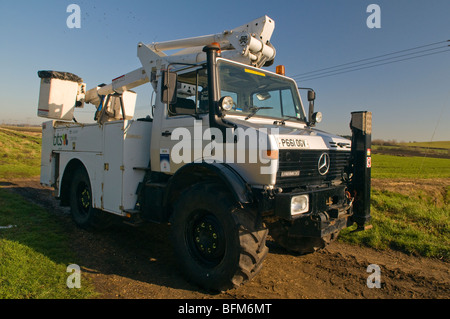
<point x="218" y="245"/>
<point x="83" y="212"/>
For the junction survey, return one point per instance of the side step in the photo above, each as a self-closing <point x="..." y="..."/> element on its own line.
<point x="133" y="218"/>
<point x="152" y="204"/>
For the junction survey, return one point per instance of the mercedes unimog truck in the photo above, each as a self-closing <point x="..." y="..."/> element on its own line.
<point x="227" y="156"/>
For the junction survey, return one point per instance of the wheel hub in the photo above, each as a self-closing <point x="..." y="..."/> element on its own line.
<point x="84" y="198"/>
<point x="207" y="240"/>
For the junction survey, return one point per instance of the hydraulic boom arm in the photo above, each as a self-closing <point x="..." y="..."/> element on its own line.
<point x="249" y="44"/>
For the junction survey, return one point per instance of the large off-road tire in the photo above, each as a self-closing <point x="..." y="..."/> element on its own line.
<point x="83" y="212"/>
<point x="218" y="245"/>
<point x="279" y="231"/>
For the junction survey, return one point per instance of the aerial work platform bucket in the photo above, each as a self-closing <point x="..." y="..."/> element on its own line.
<point x="58" y="94"/>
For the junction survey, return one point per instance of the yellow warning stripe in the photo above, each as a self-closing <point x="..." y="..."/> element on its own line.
<point x="254" y="72"/>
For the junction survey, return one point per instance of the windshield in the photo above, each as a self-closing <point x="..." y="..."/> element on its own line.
<point x="259" y="93"/>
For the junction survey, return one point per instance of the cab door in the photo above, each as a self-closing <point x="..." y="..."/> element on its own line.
<point x="184" y="123"/>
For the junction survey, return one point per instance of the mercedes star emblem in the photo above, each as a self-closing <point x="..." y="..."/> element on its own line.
<point x="324" y="164"/>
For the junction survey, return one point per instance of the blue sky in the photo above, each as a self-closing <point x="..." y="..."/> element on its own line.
<point x="410" y="100"/>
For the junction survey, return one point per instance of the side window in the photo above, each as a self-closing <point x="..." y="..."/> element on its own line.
<point x="192" y="95"/>
<point x="202" y="103"/>
<point x="202" y="92"/>
<point x="289" y="107"/>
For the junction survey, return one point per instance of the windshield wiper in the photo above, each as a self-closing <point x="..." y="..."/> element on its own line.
<point x="256" y="109"/>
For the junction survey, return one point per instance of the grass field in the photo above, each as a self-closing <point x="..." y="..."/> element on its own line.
<point x="410" y="203"/>
<point x="34" y="250"/>
<point x="437" y="144"/>
<point x="415" y="223"/>
<point x="391" y="167"/>
<point x="410" y="212"/>
<point x="34" y="253"/>
<point x="20" y="152"/>
<point x="439" y="149"/>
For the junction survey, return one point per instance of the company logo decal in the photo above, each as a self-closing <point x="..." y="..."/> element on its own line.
<point x="60" y="140"/>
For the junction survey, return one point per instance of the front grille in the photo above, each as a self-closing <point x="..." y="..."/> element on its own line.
<point x="307" y="163"/>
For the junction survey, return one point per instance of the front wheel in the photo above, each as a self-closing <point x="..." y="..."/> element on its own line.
<point x="218" y="245"/>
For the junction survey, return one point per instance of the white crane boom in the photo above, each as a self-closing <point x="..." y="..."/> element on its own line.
<point x="249" y="43"/>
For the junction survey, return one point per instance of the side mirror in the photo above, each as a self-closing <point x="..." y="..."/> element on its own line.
<point x="311" y="95"/>
<point x="313" y="117"/>
<point x="169" y="87"/>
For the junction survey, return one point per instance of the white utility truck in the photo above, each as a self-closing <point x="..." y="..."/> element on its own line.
<point x="226" y="154"/>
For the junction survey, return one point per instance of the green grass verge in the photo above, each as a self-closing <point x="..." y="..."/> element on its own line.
<point x="406" y="224"/>
<point x="391" y="166"/>
<point x="411" y="223"/>
<point x="20" y="154"/>
<point x="34" y="254"/>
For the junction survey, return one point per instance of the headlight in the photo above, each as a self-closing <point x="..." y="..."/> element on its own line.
<point x="317" y="117"/>
<point x="299" y="204"/>
<point x="226" y="103"/>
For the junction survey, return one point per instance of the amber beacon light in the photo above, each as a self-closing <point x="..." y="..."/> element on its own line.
<point x="280" y="70"/>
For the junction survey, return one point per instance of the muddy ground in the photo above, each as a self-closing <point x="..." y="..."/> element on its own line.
<point x="128" y="262"/>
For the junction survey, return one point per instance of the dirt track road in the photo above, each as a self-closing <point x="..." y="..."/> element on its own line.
<point x="127" y="262"/>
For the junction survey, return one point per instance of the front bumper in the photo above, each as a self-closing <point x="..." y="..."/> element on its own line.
<point x="329" y="211"/>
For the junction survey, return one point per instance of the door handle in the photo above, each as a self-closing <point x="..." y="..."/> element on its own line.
<point x="166" y="133"/>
